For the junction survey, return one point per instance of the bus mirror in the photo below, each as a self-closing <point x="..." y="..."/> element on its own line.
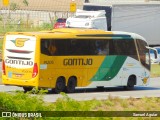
<point x="155" y="53"/>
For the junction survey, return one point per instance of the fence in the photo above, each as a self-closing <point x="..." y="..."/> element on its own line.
<point x="30" y="18"/>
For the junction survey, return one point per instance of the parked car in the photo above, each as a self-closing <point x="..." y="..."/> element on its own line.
<point x="153" y="57"/>
<point x="60" y="23"/>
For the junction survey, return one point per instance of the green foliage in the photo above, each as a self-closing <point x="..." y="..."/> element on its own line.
<point x="67" y="104"/>
<point x="23" y="28"/>
<point x="22" y="102"/>
<point x="46" y="26"/>
<point x="109" y="103"/>
<point x="38" y="91"/>
<point x="14" y="6"/>
<point x="19" y="101"/>
<point x="124" y="104"/>
<point x="1" y="18"/>
<point x="25" y="2"/>
<point x="30" y="102"/>
<point x="155" y="68"/>
<point x="1" y="44"/>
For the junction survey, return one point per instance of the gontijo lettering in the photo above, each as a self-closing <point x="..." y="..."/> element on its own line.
<point x="79" y="61"/>
<point x="19" y="62"/>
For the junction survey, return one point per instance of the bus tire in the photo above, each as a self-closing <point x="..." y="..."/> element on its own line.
<point x="72" y="83"/>
<point x="131" y="82"/>
<point x="60" y="85"/>
<point x="26" y="89"/>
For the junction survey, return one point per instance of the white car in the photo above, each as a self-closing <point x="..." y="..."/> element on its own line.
<point x="153" y="57"/>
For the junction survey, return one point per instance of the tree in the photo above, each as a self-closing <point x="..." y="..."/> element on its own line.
<point x="25" y="2"/>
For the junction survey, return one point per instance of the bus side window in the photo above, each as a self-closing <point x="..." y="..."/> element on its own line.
<point x="85" y="47"/>
<point x="72" y="47"/>
<point x="111" y="48"/>
<point x="92" y="47"/>
<point x="102" y="47"/>
<point x="44" y="47"/>
<point x="105" y="47"/>
<point x="52" y="48"/>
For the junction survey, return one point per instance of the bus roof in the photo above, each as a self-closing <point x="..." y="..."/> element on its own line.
<point x="74" y="32"/>
<point x="62" y="31"/>
<point x="134" y="35"/>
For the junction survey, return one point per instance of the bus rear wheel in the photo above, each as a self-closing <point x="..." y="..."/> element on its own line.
<point x="26" y="89"/>
<point x="60" y="85"/>
<point x="130" y="84"/>
<point x="72" y="83"/>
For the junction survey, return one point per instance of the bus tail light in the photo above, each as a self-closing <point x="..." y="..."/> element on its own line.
<point x="3" y="68"/>
<point x="35" y="70"/>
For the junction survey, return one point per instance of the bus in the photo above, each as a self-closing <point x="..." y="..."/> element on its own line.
<point x="66" y="58"/>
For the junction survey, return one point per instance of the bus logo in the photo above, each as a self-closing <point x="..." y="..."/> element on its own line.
<point x="19" y="42"/>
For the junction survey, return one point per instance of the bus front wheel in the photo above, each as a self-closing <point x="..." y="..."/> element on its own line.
<point x="26" y="89"/>
<point x="130" y="84"/>
<point x="60" y="85"/>
<point x="72" y="83"/>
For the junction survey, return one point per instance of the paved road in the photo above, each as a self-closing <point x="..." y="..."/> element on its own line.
<point x="153" y="90"/>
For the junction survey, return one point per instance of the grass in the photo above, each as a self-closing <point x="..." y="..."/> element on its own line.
<point x="25" y="102"/>
<point x="155" y="70"/>
<point x="23" y="27"/>
<point x="1" y="43"/>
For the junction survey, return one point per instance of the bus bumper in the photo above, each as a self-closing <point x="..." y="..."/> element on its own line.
<point x="18" y="82"/>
